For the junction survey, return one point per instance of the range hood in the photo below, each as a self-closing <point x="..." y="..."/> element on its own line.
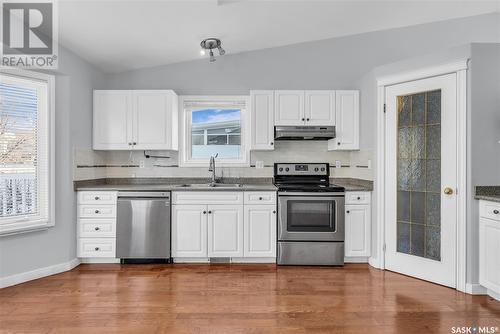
<point x="304" y="132"/>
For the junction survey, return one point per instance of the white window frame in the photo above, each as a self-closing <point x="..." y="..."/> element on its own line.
<point x="46" y="131"/>
<point x="185" y="130"/>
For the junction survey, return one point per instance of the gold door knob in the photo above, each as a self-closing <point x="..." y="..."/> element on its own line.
<point x="448" y="191"/>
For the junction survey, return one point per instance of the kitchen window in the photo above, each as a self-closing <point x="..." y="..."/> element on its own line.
<point x="26" y="148"/>
<point x="214" y="126"/>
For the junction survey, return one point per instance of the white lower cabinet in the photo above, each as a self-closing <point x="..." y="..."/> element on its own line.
<point x="96" y="225"/>
<point x="225" y="230"/>
<point x="201" y="230"/>
<point x="489" y="247"/>
<point x="189" y="230"/>
<point x="357" y="225"/>
<point x="260" y="231"/>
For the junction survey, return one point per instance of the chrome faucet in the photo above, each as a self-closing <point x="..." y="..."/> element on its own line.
<point x="211" y="168"/>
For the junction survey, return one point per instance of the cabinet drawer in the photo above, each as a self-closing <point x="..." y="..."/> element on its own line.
<point x="259" y="197"/>
<point x="489" y="210"/>
<point x="206" y="197"/>
<point x="96" y="247"/>
<point x="97" y="228"/>
<point x="96" y="197"/>
<point x="357" y="197"/>
<point x="97" y="211"/>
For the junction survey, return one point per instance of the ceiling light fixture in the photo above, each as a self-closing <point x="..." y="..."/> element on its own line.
<point x="210" y="44"/>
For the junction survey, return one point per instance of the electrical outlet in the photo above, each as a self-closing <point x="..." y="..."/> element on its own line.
<point x="259" y="164"/>
<point x="338" y="164"/>
<point x="141" y="163"/>
<point x="369" y="164"/>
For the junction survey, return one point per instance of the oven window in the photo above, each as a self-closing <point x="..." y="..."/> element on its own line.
<point x="311" y="216"/>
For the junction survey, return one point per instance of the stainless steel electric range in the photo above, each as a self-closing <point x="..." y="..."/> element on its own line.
<point x="310" y="215"/>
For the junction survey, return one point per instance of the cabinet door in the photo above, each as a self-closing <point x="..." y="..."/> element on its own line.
<point x="112" y="120"/>
<point x="347" y="121"/>
<point x="262" y="102"/>
<point x="260" y="231"/>
<point x="357" y="230"/>
<point x="289" y="107"/>
<point x="225" y="230"/>
<point x="153" y="120"/>
<point x="320" y="107"/>
<point x="189" y="230"/>
<point x="489" y="254"/>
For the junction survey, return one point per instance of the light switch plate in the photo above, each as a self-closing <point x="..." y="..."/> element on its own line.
<point x="141" y="164"/>
<point x="338" y="164"/>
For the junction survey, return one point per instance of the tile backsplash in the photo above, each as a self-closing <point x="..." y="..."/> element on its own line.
<point x="89" y="164"/>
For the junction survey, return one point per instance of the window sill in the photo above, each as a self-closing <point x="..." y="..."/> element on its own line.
<point x="6" y="231"/>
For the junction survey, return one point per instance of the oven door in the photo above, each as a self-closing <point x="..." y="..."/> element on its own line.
<point x="310" y="216"/>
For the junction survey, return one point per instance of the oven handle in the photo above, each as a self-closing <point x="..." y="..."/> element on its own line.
<point x="310" y="194"/>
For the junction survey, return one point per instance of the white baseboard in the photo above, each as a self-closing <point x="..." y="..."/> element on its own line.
<point x="374" y="262"/>
<point x="253" y="260"/>
<point x="191" y="260"/>
<point x="100" y="260"/>
<point x="38" y="273"/>
<point x="494" y="295"/>
<point x="475" y="289"/>
<point x="356" y="259"/>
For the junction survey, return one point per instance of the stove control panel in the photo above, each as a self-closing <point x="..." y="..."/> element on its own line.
<point x="313" y="169"/>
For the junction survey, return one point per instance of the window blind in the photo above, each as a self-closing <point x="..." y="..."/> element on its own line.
<point x="24" y="152"/>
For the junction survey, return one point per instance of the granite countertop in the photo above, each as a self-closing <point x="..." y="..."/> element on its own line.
<point x="200" y="184"/>
<point x="488" y="193"/>
<point x="174" y="184"/>
<point x="351" y="184"/>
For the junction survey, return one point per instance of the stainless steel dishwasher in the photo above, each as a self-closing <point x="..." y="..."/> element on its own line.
<point x="143" y="226"/>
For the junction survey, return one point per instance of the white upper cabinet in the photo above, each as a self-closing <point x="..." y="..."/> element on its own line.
<point x="155" y="120"/>
<point x="309" y="107"/>
<point x="289" y="107"/>
<point x="135" y="120"/>
<point x="320" y="107"/>
<point x="262" y="115"/>
<point x="112" y="120"/>
<point x="347" y="121"/>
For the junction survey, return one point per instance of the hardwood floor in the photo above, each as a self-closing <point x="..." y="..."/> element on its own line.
<point x="238" y="299"/>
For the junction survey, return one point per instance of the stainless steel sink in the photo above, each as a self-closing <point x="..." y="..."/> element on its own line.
<point x="211" y="185"/>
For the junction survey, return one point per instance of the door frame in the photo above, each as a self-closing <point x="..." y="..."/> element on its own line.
<point x="460" y="68"/>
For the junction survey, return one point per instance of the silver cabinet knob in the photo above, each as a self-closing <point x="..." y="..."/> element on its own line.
<point x="97" y="248"/>
<point x="96" y="211"/>
<point x="204" y="212"/>
<point x="97" y="198"/>
<point x="348" y="211"/>
<point x="496" y="212"/>
<point x="97" y="228"/>
<point x="274" y="211"/>
<point x="260" y="198"/>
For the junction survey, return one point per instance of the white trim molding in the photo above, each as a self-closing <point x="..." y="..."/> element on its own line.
<point x="475" y="289"/>
<point x="460" y="68"/>
<point x="38" y="273"/>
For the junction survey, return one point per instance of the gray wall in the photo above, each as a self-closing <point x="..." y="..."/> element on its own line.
<point x="329" y="64"/>
<point x="484" y="137"/>
<point x="20" y="253"/>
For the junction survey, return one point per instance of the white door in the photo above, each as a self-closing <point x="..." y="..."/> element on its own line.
<point x="262" y="115"/>
<point x="112" y="120"/>
<point x="320" y="107"/>
<point x="260" y="231"/>
<point x="152" y="120"/>
<point x="357" y="230"/>
<point x="289" y="107"/>
<point x="189" y="230"/>
<point x="421" y="179"/>
<point x="225" y="230"/>
<point x="347" y="121"/>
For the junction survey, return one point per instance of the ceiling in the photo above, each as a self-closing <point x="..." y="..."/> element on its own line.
<point x="122" y="35"/>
